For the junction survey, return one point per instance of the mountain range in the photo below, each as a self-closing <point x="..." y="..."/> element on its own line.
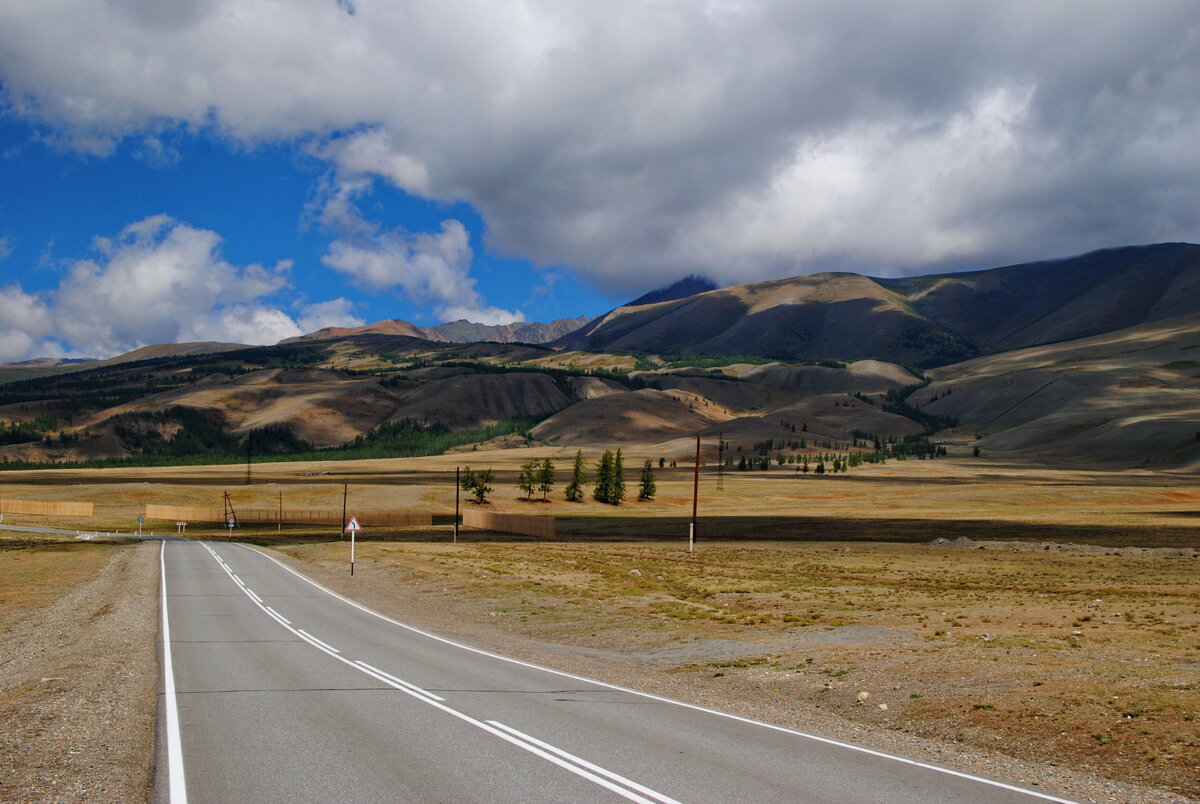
<point x="1088" y="361"/>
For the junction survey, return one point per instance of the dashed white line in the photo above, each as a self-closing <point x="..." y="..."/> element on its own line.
<point x="278" y="616"/>
<point x="388" y="677"/>
<point x="310" y="638"/>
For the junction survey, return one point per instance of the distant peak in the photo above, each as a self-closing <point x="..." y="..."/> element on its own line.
<point x="688" y="286"/>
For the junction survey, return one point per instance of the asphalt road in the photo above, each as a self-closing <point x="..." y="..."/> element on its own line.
<point x="275" y="689"/>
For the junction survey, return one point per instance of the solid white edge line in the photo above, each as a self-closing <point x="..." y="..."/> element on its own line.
<point x="416" y="692"/>
<point x="176" y="781"/>
<point x="616" y="777"/>
<point x="695" y="707"/>
<point x="250" y="592"/>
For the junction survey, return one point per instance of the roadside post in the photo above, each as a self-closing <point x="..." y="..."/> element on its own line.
<point x="457" y="489"/>
<point x="141" y="519"/>
<point x="232" y="523"/>
<point x="352" y="527"/>
<point x="180" y="528"/>
<point x="695" y="497"/>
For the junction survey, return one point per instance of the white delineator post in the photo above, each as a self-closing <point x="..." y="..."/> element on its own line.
<point x="352" y="527"/>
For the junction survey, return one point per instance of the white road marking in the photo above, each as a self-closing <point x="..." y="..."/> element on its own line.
<point x="400" y="681"/>
<point x="526" y="744"/>
<point x="310" y="638"/>
<point x="656" y="796"/>
<point x="250" y="592"/>
<point x="279" y="616"/>
<point x="695" y="707"/>
<point x="176" y="782"/>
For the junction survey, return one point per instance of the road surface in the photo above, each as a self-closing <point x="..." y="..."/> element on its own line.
<point x="276" y="689"/>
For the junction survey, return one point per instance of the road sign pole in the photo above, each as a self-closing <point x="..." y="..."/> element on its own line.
<point x="352" y="533"/>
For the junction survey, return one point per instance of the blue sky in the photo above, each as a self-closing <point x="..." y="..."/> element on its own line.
<point x="55" y="202"/>
<point x="219" y="170"/>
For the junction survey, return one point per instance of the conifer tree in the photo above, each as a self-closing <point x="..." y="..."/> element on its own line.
<point x="482" y="489"/>
<point x="604" y="473"/>
<point x="648" y="488"/>
<point x="526" y="480"/>
<point x="545" y="478"/>
<point x="618" y="479"/>
<point x="574" y="491"/>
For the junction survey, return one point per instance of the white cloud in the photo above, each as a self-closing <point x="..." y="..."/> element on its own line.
<point x="158" y="281"/>
<point x="337" y="312"/>
<point x="638" y="144"/>
<point x="6" y="248"/>
<point x="429" y="267"/>
<point x="25" y="326"/>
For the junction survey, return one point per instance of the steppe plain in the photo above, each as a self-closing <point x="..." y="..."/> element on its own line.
<point x="1029" y="624"/>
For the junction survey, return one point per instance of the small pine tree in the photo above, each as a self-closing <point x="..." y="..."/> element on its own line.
<point x="602" y="492"/>
<point x="482" y="489"/>
<point x="663" y="461"/>
<point x="527" y="479"/>
<point x="618" y="479"/>
<point x="648" y="488"/>
<point x="574" y="491"/>
<point x="545" y="478"/>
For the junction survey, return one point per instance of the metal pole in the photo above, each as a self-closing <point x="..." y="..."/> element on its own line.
<point x="281" y="510"/>
<point x="457" y="488"/>
<point x="695" y="494"/>
<point x="352" y="534"/>
<point x="345" y="493"/>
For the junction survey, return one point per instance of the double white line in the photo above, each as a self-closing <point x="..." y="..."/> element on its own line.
<point x="626" y="788"/>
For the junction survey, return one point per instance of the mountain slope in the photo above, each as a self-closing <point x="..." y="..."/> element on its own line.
<point x="1126" y="398"/>
<point x="920" y="321"/>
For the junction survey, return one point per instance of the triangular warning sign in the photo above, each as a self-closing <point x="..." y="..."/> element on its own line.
<point x="353" y="524"/>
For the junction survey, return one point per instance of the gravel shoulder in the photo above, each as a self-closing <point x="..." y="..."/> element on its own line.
<point x="78" y="688"/>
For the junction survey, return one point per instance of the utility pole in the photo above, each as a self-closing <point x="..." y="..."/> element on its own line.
<point x="720" y="461"/>
<point x="281" y="510"/>
<point x="230" y="515"/>
<point x="695" y="497"/>
<point x="342" y="524"/>
<point x="457" y="489"/>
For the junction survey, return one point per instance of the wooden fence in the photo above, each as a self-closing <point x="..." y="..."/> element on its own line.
<point x="43" y="508"/>
<point x="289" y="516"/>
<point x="521" y="524"/>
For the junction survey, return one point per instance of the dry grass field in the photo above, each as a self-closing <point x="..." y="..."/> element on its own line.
<point x="1058" y="620"/>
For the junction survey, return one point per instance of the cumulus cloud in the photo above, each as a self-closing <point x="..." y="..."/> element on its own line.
<point x="337" y="312"/>
<point x="737" y="138"/>
<point x="157" y="281"/>
<point x="25" y="326"/>
<point x="429" y="267"/>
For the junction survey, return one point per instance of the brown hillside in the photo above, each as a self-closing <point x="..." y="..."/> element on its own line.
<point x="1127" y="398"/>
<point x="471" y="400"/>
<point x="647" y="416"/>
